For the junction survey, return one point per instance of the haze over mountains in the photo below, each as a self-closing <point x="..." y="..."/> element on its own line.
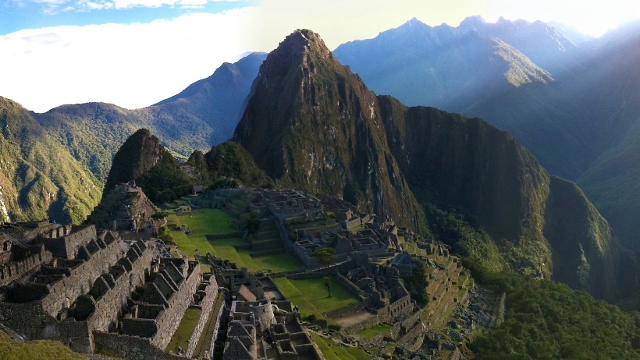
<point x="310" y="123"/>
<point x="579" y="119"/>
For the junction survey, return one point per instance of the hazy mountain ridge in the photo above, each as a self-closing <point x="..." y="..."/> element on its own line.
<point x="438" y="66"/>
<point x="581" y="126"/>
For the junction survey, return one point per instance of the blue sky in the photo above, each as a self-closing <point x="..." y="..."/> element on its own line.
<point x="32" y="14"/>
<point x="134" y="53"/>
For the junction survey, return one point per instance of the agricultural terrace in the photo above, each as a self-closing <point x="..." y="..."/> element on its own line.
<point x="202" y="222"/>
<point x="312" y="297"/>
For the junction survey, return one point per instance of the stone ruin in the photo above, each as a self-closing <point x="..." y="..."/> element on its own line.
<point x="126" y="209"/>
<point x="260" y="330"/>
<point x="89" y="289"/>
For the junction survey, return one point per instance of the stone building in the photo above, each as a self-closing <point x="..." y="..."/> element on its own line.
<point x="260" y="330"/>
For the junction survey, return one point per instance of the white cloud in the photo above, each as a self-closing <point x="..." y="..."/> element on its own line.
<point x="128" y="65"/>
<point x="54" y="6"/>
<point x="139" y="64"/>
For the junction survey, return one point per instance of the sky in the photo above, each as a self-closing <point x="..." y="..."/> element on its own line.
<point x="134" y="53"/>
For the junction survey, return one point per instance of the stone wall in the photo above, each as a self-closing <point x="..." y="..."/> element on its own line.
<point x="64" y="292"/>
<point x="169" y="319"/>
<point x="355" y="290"/>
<point x="284" y="235"/>
<point x="40" y="325"/>
<point x="216" y="329"/>
<point x="31" y="321"/>
<point x="131" y="347"/>
<point x="209" y="297"/>
<point x="302" y="255"/>
<point x="309" y="275"/>
<point x="345" y="311"/>
<point x="109" y="304"/>
<point x="16" y="269"/>
<point x="65" y="247"/>
<point x="76" y="333"/>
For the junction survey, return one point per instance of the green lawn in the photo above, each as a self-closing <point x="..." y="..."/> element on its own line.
<point x="332" y="351"/>
<point x="183" y="333"/>
<point x="213" y="221"/>
<point x="311" y="295"/>
<point x="373" y="331"/>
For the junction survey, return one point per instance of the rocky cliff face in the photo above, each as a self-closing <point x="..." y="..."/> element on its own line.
<point x="312" y="124"/>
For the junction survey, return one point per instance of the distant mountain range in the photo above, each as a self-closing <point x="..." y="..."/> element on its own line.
<point x="573" y="103"/>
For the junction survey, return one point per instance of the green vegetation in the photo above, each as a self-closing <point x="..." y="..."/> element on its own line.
<point x="546" y="320"/>
<point x="311" y="295"/>
<point x="229" y="165"/>
<point x="416" y="283"/>
<point x="202" y="222"/>
<point x="332" y="351"/>
<point x="34" y="350"/>
<point x="39" y="177"/>
<point x="376" y="330"/>
<point x="143" y="159"/>
<point x="187" y="325"/>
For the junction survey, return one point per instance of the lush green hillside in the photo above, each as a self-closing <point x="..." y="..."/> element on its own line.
<point x="34" y="350"/>
<point x="228" y="164"/>
<point x="142" y="159"/>
<point x="545" y="320"/>
<point x="39" y="177"/>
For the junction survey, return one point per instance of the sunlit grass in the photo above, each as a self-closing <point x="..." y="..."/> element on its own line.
<point x="183" y="333"/>
<point x="312" y="297"/>
<point x="202" y="222"/>
<point x="376" y="330"/>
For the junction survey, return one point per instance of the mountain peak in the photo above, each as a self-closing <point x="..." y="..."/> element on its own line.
<point x="414" y="22"/>
<point x="301" y="41"/>
<point x="472" y="21"/>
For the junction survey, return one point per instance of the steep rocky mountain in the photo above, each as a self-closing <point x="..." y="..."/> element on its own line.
<point x="55" y="164"/>
<point x="314" y="125"/>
